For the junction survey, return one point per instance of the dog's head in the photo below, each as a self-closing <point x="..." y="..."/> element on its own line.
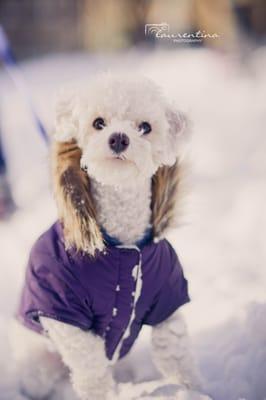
<point x="125" y="127"/>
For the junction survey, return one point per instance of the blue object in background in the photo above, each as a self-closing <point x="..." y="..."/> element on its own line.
<point x="12" y="67"/>
<point x="2" y="160"/>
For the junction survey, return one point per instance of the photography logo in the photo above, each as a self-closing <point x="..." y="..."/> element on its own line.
<point x="162" y="32"/>
<point x="154" y="29"/>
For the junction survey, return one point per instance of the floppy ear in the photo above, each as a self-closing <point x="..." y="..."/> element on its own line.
<point x="177" y="122"/>
<point x="66" y="121"/>
<point x="177" y="134"/>
<point x="167" y="181"/>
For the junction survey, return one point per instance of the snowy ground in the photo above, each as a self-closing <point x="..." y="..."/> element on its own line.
<point x="221" y="243"/>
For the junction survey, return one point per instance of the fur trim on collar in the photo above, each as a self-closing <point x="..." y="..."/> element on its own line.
<point x="75" y="203"/>
<point x="165" y="193"/>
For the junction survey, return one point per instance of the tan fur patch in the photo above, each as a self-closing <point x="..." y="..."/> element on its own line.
<point x="74" y="201"/>
<point x="165" y="185"/>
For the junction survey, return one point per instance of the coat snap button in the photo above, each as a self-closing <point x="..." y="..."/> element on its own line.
<point x="114" y="312"/>
<point x="117" y="289"/>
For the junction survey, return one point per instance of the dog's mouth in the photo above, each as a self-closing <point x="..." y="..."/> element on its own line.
<point x="118" y="157"/>
<point x="115" y="161"/>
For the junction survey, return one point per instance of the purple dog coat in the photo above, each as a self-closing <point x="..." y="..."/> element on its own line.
<point x="112" y="295"/>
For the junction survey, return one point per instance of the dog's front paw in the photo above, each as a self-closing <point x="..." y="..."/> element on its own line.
<point x="34" y="383"/>
<point x="37" y="381"/>
<point x="33" y="391"/>
<point x="92" y="388"/>
<point x="91" y="392"/>
<point x="190" y="381"/>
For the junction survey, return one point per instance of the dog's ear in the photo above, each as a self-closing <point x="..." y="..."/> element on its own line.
<point x="66" y="121"/>
<point x="177" y="122"/>
<point x="167" y="182"/>
<point x="177" y="133"/>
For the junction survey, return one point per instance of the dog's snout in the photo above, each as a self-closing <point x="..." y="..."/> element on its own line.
<point x="118" y="142"/>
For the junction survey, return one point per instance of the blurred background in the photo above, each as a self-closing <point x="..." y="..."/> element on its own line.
<point x="219" y="80"/>
<point x="37" y="27"/>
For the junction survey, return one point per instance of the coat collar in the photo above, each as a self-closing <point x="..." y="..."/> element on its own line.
<point x="112" y="241"/>
<point x="75" y="203"/>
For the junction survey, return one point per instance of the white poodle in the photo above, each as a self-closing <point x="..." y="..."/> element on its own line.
<point x="103" y="269"/>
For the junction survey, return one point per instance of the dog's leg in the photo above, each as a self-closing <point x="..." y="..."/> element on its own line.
<point x="38" y="367"/>
<point x="84" y="354"/>
<point x="171" y="352"/>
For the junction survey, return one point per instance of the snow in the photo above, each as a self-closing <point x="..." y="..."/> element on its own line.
<point x="240" y="346"/>
<point x="221" y="240"/>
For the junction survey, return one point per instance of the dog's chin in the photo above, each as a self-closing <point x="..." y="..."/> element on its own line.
<point x="115" y="172"/>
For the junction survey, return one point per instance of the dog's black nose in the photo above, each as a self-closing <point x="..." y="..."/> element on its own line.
<point x="118" y="142"/>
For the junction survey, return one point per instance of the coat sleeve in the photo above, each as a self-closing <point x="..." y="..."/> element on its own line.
<point x="172" y="295"/>
<point x="48" y="291"/>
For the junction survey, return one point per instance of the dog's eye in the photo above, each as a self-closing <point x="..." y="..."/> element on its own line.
<point x="145" y="127"/>
<point x="98" y="123"/>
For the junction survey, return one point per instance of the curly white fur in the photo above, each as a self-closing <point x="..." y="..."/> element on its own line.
<point x="122" y="193"/>
<point x="38" y="364"/>
<point x="84" y="354"/>
<point x="40" y="368"/>
<point x="171" y="352"/>
<point x="118" y="209"/>
<point x="123" y="102"/>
